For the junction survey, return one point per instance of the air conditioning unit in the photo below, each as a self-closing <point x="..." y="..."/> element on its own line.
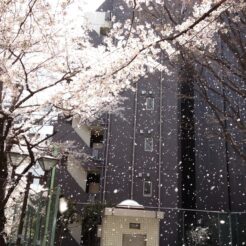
<point x="150" y="92"/>
<point x="141" y="131"/>
<point x="147" y="174"/>
<point x="143" y="92"/>
<point x="140" y="175"/>
<point x="104" y="30"/>
<point x="95" y="154"/>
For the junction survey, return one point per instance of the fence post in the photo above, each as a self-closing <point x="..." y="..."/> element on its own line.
<point x="51" y="191"/>
<point x="230" y="227"/>
<point x="54" y="217"/>
<point x="183" y="229"/>
<point x="37" y="226"/>
<point x="219" y="229"/>
<point x="23" y="211"/>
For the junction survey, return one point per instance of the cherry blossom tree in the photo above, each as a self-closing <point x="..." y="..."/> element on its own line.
<point x="41" y="52"/>
<point x="220" y="83"/>
<point x="48" y="60"/>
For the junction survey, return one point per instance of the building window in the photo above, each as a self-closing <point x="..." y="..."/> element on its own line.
<point x="134" y="239"/>
<point x="147" y="188"/>
<point x="148" y="144"/>
<point x="93" y="183"/>
<point x="150" y="103"/>
<point x="96" y="141"/>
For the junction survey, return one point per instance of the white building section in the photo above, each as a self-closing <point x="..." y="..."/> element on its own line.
<point x="130" y="225"/>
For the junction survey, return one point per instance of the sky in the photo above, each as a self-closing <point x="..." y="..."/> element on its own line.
<point x="91" y="5"/>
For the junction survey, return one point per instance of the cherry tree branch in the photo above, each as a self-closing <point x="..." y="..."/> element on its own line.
<point x="31" y="5"/>
<point x="172" y="37"/>
<point x="19" y="58"/>
<point x="65" y="77"/>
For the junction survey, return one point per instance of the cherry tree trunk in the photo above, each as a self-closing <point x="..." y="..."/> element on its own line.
<point x="3" y="181"/>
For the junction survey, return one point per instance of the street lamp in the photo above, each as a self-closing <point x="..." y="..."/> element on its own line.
<point x="47" y="162"/>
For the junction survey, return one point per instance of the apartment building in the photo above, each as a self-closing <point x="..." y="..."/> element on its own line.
<point x="161" y="153"/>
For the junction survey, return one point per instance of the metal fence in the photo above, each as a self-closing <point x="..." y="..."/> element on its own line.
<point x="184" y="227"/>
<point x="40" y="220"/>
<point x="210" y="228"/>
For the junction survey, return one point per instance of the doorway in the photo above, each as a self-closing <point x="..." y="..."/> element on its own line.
<point x="134" y="240"/>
